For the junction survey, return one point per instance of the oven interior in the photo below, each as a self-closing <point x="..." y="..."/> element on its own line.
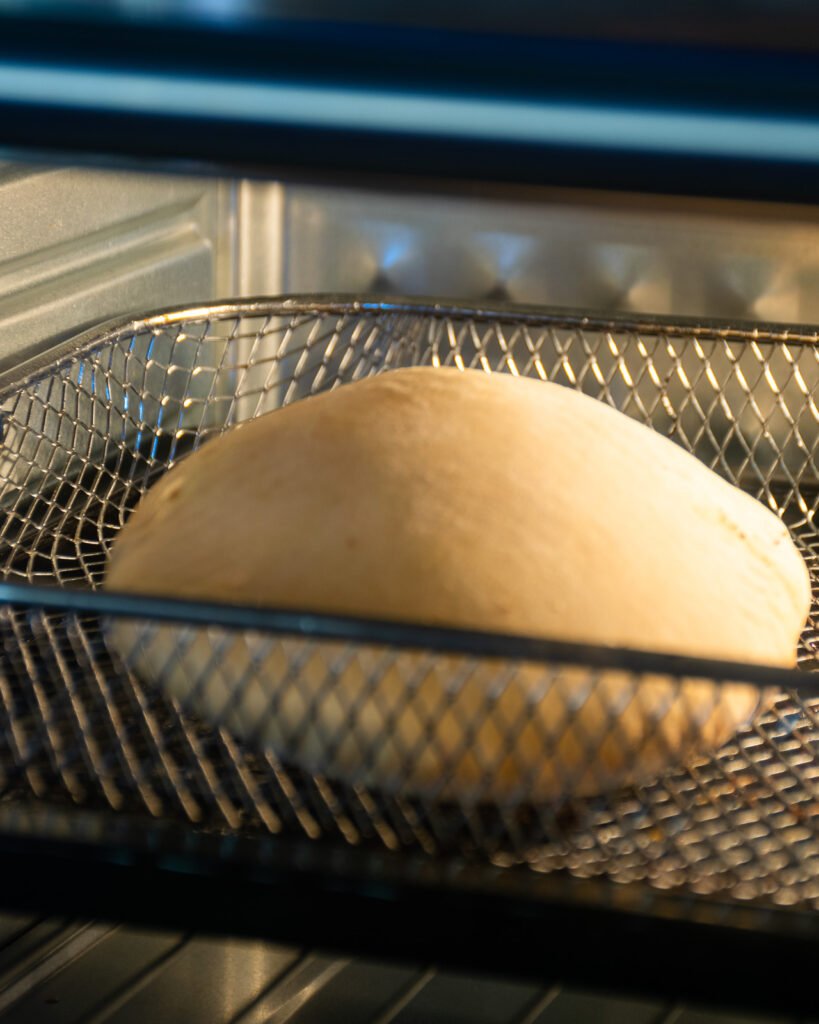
<point x="157" y="872"/>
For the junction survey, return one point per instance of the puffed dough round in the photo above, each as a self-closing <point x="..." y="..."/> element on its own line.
<point x="461" y="499"/>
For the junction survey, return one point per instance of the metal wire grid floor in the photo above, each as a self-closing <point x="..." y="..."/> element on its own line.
<point x="84" y="437"/>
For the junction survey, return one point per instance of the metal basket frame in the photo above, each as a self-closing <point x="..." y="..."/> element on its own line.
<point x="23" y="826"/>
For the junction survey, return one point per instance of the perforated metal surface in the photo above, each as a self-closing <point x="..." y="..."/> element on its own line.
<point x="86" y="434"/>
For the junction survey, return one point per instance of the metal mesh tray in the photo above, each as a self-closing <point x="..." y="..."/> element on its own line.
<point x="88" y="427"/>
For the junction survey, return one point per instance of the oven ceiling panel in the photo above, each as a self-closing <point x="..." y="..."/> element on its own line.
<point x="699" y="99"/>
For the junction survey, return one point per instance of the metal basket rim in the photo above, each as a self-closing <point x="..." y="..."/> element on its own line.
<point x="705" y="329"/>
<point x="316" y="626"/>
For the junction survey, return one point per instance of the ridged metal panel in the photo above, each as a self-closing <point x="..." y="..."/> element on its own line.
<point x="74" y="973"/>
<point x="78" y="246"/>
<point x="593" y="251"/>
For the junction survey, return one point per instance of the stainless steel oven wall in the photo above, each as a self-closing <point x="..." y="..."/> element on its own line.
<point x="596" y="251"/>
<point x="78" y="246"/>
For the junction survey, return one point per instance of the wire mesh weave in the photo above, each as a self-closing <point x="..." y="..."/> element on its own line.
<point x="85" y="436"/>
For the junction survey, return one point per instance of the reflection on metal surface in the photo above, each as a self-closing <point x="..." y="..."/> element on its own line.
<point x="591" y="125"/>
<point x="599" y="253"/>
<point x="79" y="246"/>
<point x="83" y="974"/>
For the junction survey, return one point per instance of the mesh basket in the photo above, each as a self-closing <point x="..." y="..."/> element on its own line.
<point x="676" y="772"/>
